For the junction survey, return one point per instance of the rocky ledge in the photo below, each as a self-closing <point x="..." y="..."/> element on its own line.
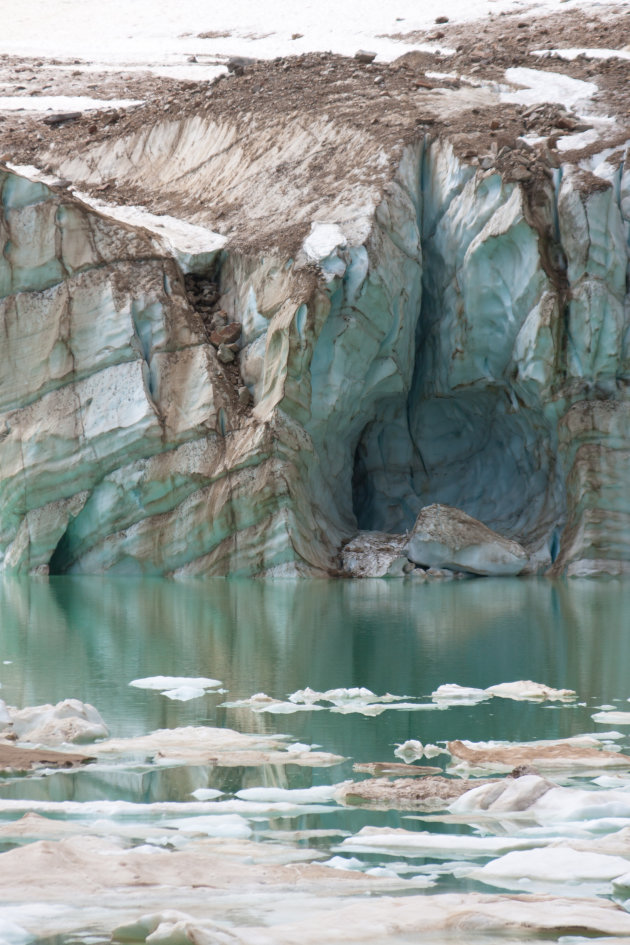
<point x="249" y="324"/>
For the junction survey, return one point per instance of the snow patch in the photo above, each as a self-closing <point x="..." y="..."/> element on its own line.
<point x="62" y="103"/>
<point x="540" y="86"/>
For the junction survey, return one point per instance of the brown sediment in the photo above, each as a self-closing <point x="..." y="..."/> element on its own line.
<point x="381" y="768"/>
<point x="334" y="99"/>
<point x="432" y="793"/>
<point x="543" y="756"/>
<point x="15" y="758"/>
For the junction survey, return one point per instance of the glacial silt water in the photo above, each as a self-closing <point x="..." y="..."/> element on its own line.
<point x="88" y="638"/>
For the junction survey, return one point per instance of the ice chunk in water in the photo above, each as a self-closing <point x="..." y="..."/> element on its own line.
<point x="184" y="693"/>
<point x="344" y="863"/>
<point x="526" y="690"/>
<point x="68" y="721"/>
<point x="222" y="825"/>
<point x="261" y="702"/>
<point x="611" y="718"/>
<point x="173" y="682"/>
<point x="551" y="865"/>
<point x="411" y="750"/>
<point x="312" y="795"/>
<point x="453" y="694"/>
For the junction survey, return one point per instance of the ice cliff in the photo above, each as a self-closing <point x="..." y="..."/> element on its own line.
<point x="463" y="340"/>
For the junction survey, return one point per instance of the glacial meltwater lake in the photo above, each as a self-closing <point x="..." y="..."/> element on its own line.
<point x="88" y="638"/>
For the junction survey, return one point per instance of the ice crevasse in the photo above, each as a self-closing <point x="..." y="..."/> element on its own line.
<point x="464" y="343"/>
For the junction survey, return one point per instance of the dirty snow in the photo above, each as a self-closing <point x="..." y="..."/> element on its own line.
<point x="61" y="103"/>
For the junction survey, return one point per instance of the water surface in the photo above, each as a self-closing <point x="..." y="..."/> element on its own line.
<point x="89" y="637"/>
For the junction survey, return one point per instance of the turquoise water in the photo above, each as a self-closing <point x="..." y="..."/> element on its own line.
<point x="89" y="637"/>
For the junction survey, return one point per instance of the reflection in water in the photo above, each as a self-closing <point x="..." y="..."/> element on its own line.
<point x="88" y="637"/>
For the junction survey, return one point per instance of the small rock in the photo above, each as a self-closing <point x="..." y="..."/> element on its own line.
<point x="192" y="59"/>
<point x="409" y="567"/>
<point x="225" y="355"/>
<point x="237" y="64"/>
<point x="365" y="56"/>
<point x="60" y="118"/>
<point x="244" y="397"/>
<point x="226" y="335"/>
<point x="440" y="574"/>
<point x="297" y="35"/>
<point x="378" y="80"/>
<point x="441" y="19"/>
<point x="418" y="574"/>
<point x="520" y="173"/>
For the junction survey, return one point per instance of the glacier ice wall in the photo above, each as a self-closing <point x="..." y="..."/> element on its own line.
<point x="471" y="349"/>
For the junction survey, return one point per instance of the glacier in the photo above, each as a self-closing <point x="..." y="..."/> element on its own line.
<point x="455" y="335"/>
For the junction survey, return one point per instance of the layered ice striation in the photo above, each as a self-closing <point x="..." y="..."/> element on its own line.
<point x="461" y="340"/>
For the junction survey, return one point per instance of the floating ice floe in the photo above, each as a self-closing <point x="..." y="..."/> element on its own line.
<point x="344" y="701"/>
<point x="526" y="690"/>
<point x="401" y="842"/>
<point x="414" y="750"/>
<point x="380" y="769"/>
<point x="260" y="810"/>
<point x="260" y="702"/>
<point x="68" y="721"/>
<point x="551" y="866"/>
<point x="344" y="863"/>
<point x="313" y="795"/>
<point x="372" y="709"/>
<point x="429" y="793"/>
<point x="452" y="694"/>
<point x="341" y="696"/>
<point x="611" y="718"/>
<point x="206" y="794"/>
<point x="533" y="798"/>
<point x="218" y="746"/>
<point x="180" y="688"/>
<point x="19" y="758"/>
<point x="570" y="753"/>
<point x="221" y="825"/>
<point x="374" y="921"/>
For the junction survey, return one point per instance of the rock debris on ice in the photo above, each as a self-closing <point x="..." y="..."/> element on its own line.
<point x="580" y="752"/>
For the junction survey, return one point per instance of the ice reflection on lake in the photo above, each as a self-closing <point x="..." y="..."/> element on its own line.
<point x="89" y="638"/>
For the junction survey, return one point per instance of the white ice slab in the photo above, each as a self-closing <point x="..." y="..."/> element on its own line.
<point x="552" y="866"/>
<point x="313" y="795"/>
<point x="611" y="718"/>
<point x="161" y="683"/>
